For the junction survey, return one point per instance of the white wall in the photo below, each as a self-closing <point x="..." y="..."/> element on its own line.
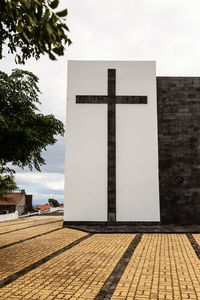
<point x="136" y="143"/>
<point x="7" y="217"/>
<point x="86" y="145"/>
<point x="52" y="209"/>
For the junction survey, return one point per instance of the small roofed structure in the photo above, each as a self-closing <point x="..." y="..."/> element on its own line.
<point x="19" y="202"/>
<point x="43" y="207"/>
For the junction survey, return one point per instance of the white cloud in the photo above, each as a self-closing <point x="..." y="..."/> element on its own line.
<point x="42" y="198"/>
<point x="53" y="181"/>
<point x="42" y="186"/>
<point x="166" y="31"/>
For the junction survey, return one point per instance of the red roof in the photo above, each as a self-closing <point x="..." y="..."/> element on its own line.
<point x="11" y="198"/>
<point x="61" y="205"/>
<point x="45" y="206"/>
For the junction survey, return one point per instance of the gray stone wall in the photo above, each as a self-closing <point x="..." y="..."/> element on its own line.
<point x="20" y="207"/>
<point x="179" y="149"/>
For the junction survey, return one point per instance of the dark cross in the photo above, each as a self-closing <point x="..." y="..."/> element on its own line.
<point x="111" y="99"/>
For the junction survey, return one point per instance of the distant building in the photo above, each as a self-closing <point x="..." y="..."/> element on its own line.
<point x="43" y="207"/>
<point x="12" y="202"/>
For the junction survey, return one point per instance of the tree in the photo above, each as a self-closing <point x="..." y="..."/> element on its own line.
<point x="24" y="132"/>
<point x="7" y="184"/>
<point x="53" y="202"/>
<point x="32" y="27"/>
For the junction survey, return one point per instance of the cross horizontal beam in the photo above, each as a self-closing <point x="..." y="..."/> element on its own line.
<point x="106" y="99"/>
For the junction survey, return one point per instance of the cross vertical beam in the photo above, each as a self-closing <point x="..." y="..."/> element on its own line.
<point x="111" y="145"/>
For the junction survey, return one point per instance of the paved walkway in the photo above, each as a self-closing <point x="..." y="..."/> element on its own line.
<point x="21" y="235"/>
<point x="25" y="224"/>
<point x="51" y="262"/>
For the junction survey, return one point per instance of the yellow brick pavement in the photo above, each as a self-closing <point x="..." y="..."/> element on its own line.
<point x="17" y="257"/>
<point x="197" y="238"/>
<point x="78" y="273"/>
<point x="26" y="220"/>
<point x="163" y="266"/>
<point x="25" y="233"/>
<point x="12" y="222"/>
<point x="19" y="225"/>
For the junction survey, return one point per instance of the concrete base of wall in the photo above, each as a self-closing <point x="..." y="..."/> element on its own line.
<point x="142" y="228"/>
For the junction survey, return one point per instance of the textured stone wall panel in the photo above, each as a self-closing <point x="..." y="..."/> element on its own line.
<point x="179" y="149"/>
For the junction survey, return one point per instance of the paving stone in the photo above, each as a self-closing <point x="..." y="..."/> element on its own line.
<point x="84" y="269"/>
<point x="20" y="225"/>
<point x="162" y="267"/>
<point x="25" y="220"/>
<point x="197" y="238"/>
<point x="17" y="257"/>
<point x="11" y="237"/>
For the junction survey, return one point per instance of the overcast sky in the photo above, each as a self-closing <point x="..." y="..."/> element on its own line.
<point x="167" y="31"/>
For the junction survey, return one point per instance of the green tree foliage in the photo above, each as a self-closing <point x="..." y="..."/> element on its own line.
<point x="29" y="28"/>
<point x="33" y="27"/>
<point x="24" y="132"/>
<point x="7" y="184"/>
<point x="53" y="202"/>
